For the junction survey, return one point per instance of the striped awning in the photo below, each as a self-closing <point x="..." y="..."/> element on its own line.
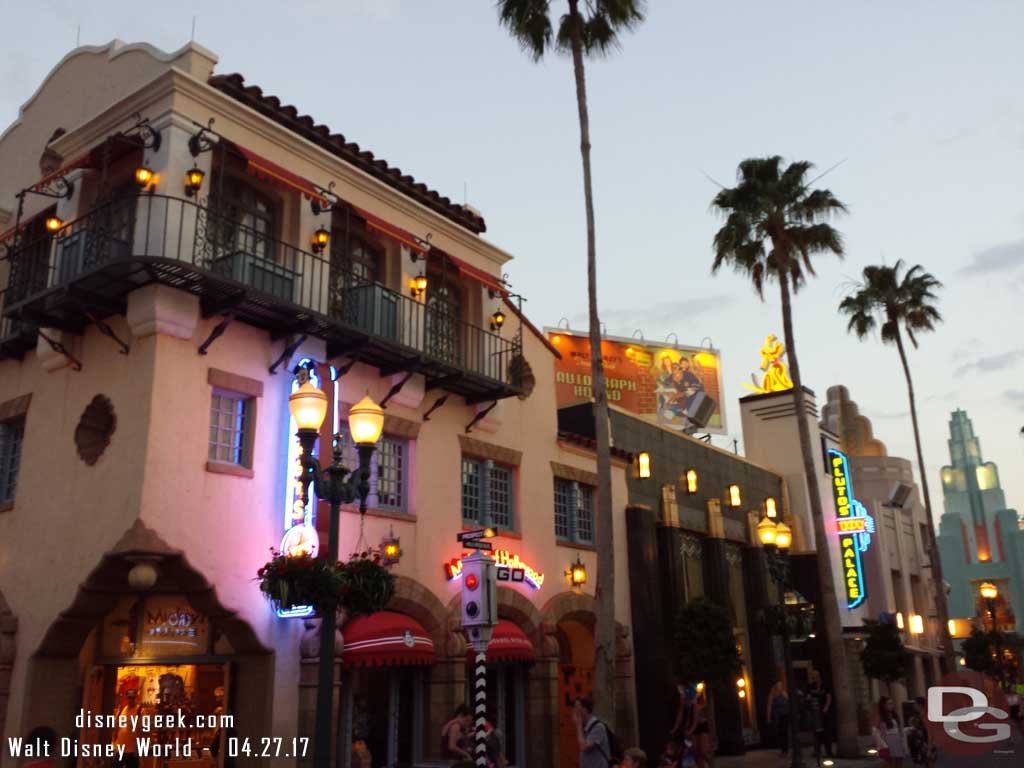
<point x="385" y="639"/>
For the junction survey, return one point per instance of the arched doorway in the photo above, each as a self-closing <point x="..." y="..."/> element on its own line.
<point x="147" y="632"/>
<point x="8" y="635"/>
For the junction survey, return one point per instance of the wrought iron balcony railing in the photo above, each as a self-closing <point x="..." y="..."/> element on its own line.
<point x="90" y="265"/>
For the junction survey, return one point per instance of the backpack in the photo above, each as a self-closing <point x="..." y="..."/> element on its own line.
<point x="614" y="743"/>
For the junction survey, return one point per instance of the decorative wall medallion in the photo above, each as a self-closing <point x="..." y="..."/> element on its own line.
<point x="733" y="556"/>
<point x="92" y="435"/>
<point x="520" y="371"/>
<point x="691" y="547"/>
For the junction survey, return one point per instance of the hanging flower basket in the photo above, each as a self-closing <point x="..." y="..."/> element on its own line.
<point x="302" y="580"/>
<point x="367" y="585"/>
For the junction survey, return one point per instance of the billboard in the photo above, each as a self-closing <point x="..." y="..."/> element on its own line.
<point x="654" y="381"/>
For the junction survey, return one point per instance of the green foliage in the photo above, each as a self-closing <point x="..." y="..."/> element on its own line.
<point x="597" y="25"/>
<point x="886" y="299"/>
<point x="360" y="586"/>
<point x="705" y="642"/>
<point x="773" y="204"/>
<point x="980" y="652"/>
<point x="884" y="657"/>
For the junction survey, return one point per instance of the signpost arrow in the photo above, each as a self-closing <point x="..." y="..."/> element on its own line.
<point x="474" y="535"/>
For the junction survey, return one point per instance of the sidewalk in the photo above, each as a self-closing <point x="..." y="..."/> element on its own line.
<point x="770" y="758"/>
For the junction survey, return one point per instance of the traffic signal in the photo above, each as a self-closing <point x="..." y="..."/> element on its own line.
<point x="479" y="598"/>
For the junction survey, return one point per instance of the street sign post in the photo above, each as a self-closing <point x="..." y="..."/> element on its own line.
<point x="478" y="545"/>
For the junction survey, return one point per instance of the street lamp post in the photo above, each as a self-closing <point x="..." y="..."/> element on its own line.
<point x="308" y="406"/>
<point x="989" y="593"/>
<point x="776" y="539"/>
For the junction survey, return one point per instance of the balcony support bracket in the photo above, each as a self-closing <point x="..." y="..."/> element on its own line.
<point x="60" y="349"/>
<point x="293" y="344"/>
<point x="216" y="333"/>
<point x="437" y="404"/>
<point x="107" y="331"/>
<point x="480" y="416"/>
<point x="395" y="389"/>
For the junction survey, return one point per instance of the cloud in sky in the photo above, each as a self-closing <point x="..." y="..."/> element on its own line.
<point x="658" y="317"/>
<point x="998" y="258"/>
<point x="1015" y="397"/>
<point x="991" y="363"/>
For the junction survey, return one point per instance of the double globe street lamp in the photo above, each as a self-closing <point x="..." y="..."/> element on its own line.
<point x="776" y="538"/>
<point x="989" y="593"/>
<point x="308" y="406"/>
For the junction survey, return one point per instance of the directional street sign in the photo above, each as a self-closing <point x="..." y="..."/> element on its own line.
<point x="475" y="535"/>
<point x="476" y="544"/>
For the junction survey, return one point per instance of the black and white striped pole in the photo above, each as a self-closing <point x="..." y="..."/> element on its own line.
<point x="479" y="615"/>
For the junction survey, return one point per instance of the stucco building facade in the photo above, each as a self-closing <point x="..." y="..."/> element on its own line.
<point x="148" y="340"/>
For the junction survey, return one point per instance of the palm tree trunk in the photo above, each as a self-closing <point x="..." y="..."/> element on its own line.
<point x="604" y="631"/>
<point x="941" y="608"/>
<point x="846" y="712"/>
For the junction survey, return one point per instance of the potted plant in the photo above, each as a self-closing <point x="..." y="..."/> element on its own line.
<point x="291" y="581"/>
<point x="367" y="585"/>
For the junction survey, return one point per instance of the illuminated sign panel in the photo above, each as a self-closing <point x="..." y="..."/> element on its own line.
<point x="508" y="565"/>
<point x="855" y="528"/>
<point x="657" y="382"/>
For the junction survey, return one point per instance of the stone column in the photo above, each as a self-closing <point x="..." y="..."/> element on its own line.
<point x="542" y="727"/>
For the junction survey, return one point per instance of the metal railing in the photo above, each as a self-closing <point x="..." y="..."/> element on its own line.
<point x="226" y="249"/>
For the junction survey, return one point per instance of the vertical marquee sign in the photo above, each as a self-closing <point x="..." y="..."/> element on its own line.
<point x="855" y="528"/>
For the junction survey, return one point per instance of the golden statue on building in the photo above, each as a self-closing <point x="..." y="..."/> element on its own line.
<point x="776" y="377"/>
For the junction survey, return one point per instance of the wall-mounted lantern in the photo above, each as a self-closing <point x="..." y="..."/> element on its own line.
<point x="735" y="499"/>
<point x="320" y="239"/>
<point x="691" y="481"/>
<point x="194" y="181"/>
<point x="390" y="549"/>
<point x="53" y="223"/>
<point x="577" y="573"/>
<point x="418" y="286"/>
<point x="144" y="177"/>
<point x="770" y="509"/>
<point x="497" y="320"/>
<point x="643" y="465"/>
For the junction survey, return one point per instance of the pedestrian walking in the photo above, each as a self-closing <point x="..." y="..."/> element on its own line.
<point x="922" y="750"/>
<point x="591" y="736"/>
<point x="819" y="706"/>
<point x="890" y="739"/>
<point x="778" y="716"/>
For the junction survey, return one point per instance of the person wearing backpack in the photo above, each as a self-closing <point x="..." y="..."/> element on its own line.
<point x="597" y="742"/>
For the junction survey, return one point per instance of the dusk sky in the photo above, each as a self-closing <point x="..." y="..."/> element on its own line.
<point x="919" y="103"/>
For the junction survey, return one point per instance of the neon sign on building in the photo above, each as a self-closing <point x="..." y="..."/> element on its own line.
<point x="855" y="528"/>
<point x="506" y="562"/>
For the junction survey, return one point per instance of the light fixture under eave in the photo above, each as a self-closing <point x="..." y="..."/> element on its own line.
<point x="320" y="239"/>
<point x="53" y="223"/>
<point x="989" y="591"/>
<point x="643" y="465"/>
<point x="916" y="624"/>
<point x="951" y="625"/>
<point x="691" y="481"/>
<point x="144" y="177"/>
<point x="577" y="573"/>
<point x="497" y="320"/>
<point x="735" y="499"/>
<point x="194" y="181"/>
<point x="418" y="286"/>
<point x="769" y="507"/>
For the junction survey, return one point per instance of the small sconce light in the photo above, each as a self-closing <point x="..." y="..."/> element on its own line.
<point x="643" y="465"/>
<point x="418" y="286"/>
<point x="497" y="320"/>
<point x="900" y="624"/>
<point x="916" y="624"/>
<point x="951" y="625"/>
<point x="734" y="496"/>
<point x="53" y="223"/>
<point x="577" y="573"/>
<point x="320" y="238"/>
<point x="390" y="549"/>
<point x="700" y="687"/>
<point x="963" y="662"/>
<point x="193" y="181"/>
<point x="143" y="177"/>
<point x="691" y="481"/>
<point x="769" y="508"/>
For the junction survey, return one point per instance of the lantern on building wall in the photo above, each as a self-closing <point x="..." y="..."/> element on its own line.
<point x="735" y="499"/>
<point x="643" y="465"/>
<point x="769" y="507"/>
<point x="577" y="573"/>
<point x="691" y="481"/>
<point x="143" y="177"/>
<point x="320" y="239"/>
<point x="194" y="181"/>
<point x="53" y="223"/>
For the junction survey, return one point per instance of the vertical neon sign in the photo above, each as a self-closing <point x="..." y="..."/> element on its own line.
<point x="300" y="534"/>
<point x="855" y="528"/>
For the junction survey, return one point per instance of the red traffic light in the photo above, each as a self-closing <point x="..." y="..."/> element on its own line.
<point x="471" y="581"/>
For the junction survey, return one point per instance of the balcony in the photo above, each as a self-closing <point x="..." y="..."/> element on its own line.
<point x="88" y="268"/>
<point x="16" y="337"/>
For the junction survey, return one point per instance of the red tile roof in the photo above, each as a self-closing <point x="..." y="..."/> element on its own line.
<point x="285" y="114"/>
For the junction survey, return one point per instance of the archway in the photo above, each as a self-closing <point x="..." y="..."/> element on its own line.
<point x="146" y="628"/>
<point x="8" y="636"/>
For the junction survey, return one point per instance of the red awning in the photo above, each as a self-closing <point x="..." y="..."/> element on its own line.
<point x="407" y="239"/>
<point x="475" y="273"/>
<point x="384" y="639"/>
<point x="508" y="643"/>
<point x="262" y="168"/>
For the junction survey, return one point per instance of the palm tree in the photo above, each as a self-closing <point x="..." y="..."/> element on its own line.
<point x="773" y="205"/>
<point x="895" y="302"/>
<point x="591" y="31"/>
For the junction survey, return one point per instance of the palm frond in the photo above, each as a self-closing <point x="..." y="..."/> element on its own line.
<point x="529" y="22"/>
<point x="896" y="299"/>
